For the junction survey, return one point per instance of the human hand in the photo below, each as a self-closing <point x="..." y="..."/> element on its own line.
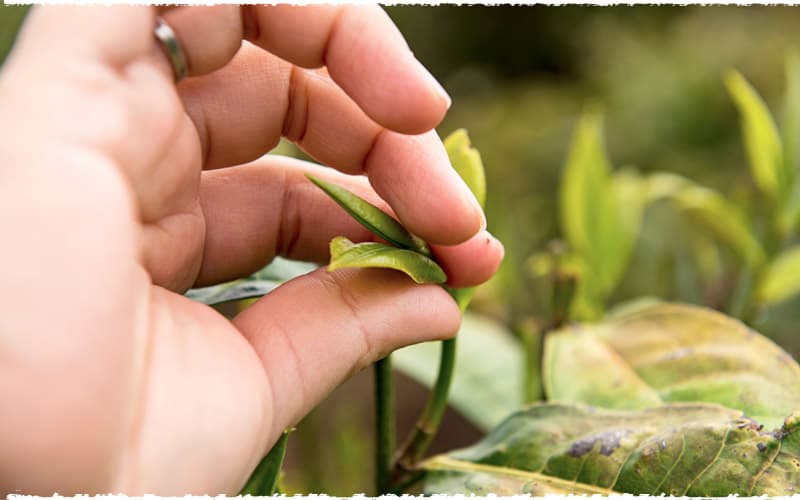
<point x="119" y="191"/>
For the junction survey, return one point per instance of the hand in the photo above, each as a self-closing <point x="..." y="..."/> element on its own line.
<point x="119" y="191"/>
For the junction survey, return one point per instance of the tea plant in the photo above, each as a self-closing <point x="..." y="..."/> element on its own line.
<point x="403" y="252"/>
<point x="649" y="397"/>
<point x="693" y="403"/>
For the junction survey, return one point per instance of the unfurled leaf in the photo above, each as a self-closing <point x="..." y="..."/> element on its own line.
<point x="584" y="189"/>
<point x="345" y="253"/>
<point x="762" y="142"/>
<point x="791" y="117"/>
<point x="626" y="202"/>
<point x="601" y="215"/>
<point x="467" y="162"/>
<point x="679" y="449"/>
<point x="487" y="384"/>
<point x="781" y="279"/>
<point x="672" y="353"/>
<point x="372" y="217"/>
<point x="711" y="209"/>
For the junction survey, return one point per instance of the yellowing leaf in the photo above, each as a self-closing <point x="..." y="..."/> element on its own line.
<point x="448" y="476"/>
<point x="762" y="142"/>
<point x="345" y="253"/>
<point x="672" y="353"/>
<point x="467" y="162"/>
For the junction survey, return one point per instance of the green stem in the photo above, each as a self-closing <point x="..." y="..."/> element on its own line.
<point x="428" y="423"/>
<point x="412" y="479"/>
<point x="532" y="340"/>
<point x="384" y="424"/>
<point x="264" y="480"/>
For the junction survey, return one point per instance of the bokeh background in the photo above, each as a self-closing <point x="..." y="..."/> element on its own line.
<point x="519" y="78"/>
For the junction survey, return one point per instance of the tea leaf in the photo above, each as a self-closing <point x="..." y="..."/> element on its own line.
<point x="281" y="270"/>
<point x="447" y="476"/>
<point x="601" y="215"/>
<point x="229" y="292"/>
<point x="584" y="189"/>
<point x="256" y="285"/>
<point x="487" y="384"/>
<point x="791" y="118"/>
<point x="711" y="209"/>
<point x="264" y="480"/>
<point x="762" y="142"/>
<point x="672" y="353"/>
<point x="780" y="281"/>
<point x="627" y="202"/>
<point x="372" y="217"/>
<point x="679" y="449"/>
<point x="467" y="162"/>
<point x="345" y="253"/>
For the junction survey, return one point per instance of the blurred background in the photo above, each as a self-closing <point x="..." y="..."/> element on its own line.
<point x="519" y="78"/>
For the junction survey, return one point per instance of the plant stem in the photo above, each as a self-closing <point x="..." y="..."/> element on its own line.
<point x="532" y="339"/>
<point x="428" y="423"/>
<point x="384" y="424"/>
<point x="412" y="479"/>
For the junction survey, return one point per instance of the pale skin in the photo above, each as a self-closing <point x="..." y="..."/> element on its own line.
<point x="119" y="191"/>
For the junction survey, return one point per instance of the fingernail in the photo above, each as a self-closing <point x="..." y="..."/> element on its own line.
<point x="437" y="88"/>
<point x="475" y="206"/>
<point x="483" y="218"/>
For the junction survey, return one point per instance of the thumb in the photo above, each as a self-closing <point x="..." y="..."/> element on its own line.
<point x="315" y="331"/>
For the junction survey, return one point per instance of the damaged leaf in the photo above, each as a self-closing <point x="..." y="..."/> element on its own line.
<point x="692" y="449"/>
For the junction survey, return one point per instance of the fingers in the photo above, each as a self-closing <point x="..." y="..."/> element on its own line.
<point x="359" y="45"/>
<point x="242" y="110"/>
<point x="472" y="262"/>
<point x="267" y="208"/>
<point x="345" y="320"/>
<point x="364" y="53"/>
<point x="208" y="35"/>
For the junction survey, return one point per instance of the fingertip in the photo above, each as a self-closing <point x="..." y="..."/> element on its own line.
<point x="472" y="262"/>
<point x="393" y="87"/>
<point x="414" y="175"/>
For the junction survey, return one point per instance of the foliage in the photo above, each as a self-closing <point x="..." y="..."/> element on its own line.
<point x="667" y="353"/>
<point x="485" y="388"/>
<point x="679" y="395"/>
<point x="688" y="449"/>
<point x="662" y="367"/>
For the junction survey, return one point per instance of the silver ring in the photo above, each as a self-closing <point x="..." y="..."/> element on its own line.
<point x="172" y="49"/>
